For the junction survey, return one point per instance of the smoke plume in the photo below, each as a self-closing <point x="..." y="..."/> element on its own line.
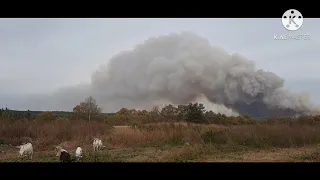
<point x="179" y="68"/>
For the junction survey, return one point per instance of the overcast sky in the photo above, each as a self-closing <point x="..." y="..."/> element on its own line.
<point x="38" y="56"/>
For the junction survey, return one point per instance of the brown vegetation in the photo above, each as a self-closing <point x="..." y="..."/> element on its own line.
<point x="199" y="132"/>
<point x="45" y="134"/>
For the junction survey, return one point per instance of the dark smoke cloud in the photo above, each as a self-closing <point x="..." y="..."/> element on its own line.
<point x="178" y="68"/>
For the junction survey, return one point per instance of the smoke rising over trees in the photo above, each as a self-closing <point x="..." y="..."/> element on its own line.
<point x="179" y="68"/>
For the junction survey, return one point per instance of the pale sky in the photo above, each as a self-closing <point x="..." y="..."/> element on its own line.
<point x="38" y="56"/>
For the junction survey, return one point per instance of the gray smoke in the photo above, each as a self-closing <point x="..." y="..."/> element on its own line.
<point x="178" y="68"/>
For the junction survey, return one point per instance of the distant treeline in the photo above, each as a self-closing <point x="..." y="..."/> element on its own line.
<point x="191" y="113"/>
<point x="15" y="114"/>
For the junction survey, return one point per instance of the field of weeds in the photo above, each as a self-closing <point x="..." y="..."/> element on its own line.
<point x="163" y="142"/>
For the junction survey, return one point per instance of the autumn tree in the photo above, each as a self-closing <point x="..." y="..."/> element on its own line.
<point x="132" y="116"/>
<point x="87" y="109"/>
<point x="123" y="115"/>
<point x="46" y="116"/>
<point x="155" y="114"/>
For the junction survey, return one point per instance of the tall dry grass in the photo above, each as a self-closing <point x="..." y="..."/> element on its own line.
<point x="280" y="135"/>
<point x="158" y="134"/>
<point x="254" y="136"/>
<point x="45" y="134"/>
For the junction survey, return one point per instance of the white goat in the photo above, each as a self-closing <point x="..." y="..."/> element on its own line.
<point x="59" y="150"/>
<point x="26" y="150"/>
<point x="97" y="144"/>
<point x="79" y="153"/>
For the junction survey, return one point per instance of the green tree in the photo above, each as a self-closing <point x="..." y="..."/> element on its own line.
<point x="169" y="112"/>
<point x="195" y="113"/>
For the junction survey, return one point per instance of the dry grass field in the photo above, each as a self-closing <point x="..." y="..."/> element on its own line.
<point x="164" y="142"/>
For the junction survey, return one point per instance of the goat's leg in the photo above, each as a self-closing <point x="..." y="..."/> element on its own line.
<point x="22" y="157"/>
